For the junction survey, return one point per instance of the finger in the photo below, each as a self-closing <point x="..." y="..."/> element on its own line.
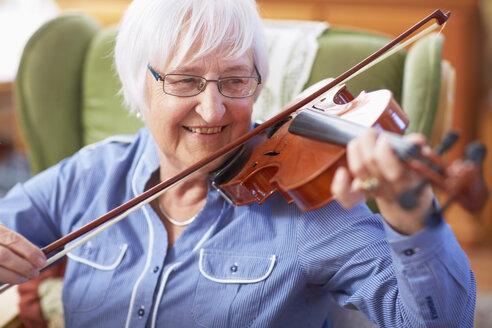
<point x="417" y="138"/>
<point x="367" y="144"/>
<point x="342" y="189"/>
<point x="15" y="267"/>
<point x="22" y="247"/>
<point x="10" y="277"/>
<point x="420" y="140"/>
<point x="389" y="165"/>
<point x="355" y="159"/>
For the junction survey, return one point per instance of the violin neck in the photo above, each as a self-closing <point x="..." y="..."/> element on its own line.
<point x="315" y="124"/>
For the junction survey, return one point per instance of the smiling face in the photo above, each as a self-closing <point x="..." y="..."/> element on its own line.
<point x="187" y="129"/>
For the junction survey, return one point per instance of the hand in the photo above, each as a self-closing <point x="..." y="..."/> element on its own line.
<point x="374" y="171"/>
<point x="20" y="260"/>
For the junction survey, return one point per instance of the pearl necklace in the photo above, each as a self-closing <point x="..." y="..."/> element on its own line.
<point x="173" y="221"/>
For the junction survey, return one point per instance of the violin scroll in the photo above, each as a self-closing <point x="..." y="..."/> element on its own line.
<point x="462" y="180"/>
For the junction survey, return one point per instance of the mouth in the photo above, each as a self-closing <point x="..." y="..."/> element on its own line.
<point x="205" y="130"/>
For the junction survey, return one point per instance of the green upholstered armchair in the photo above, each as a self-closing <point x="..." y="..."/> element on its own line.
<point x="67" y="90"/>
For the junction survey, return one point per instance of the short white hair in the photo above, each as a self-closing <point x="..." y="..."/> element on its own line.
<point x="161" y="31"/>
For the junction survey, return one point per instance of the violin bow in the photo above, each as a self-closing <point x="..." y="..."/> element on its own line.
<point x="117" y="214"/>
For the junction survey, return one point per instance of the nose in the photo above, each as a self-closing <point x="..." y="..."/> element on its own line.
<point x="211" y="105"/>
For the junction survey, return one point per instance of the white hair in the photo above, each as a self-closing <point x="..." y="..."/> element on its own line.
<point x="161" y="31"/>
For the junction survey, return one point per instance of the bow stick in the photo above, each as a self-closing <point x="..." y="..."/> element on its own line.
<point x="122" y="211"/>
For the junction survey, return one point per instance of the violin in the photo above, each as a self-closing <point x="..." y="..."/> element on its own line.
<point x="273" y="161"/>
<point x="300" y="153"/>
<point x="272" y="145"/>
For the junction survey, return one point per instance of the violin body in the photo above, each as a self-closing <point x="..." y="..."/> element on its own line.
<point x="301" y="168"/>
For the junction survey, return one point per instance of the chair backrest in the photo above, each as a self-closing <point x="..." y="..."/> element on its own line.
<point x="67" y="90"/>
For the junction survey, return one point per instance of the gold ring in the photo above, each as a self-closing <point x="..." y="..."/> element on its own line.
<point x="370" y="184"/>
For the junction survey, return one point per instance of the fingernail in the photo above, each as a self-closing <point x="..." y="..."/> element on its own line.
<point x="40" y="261"/>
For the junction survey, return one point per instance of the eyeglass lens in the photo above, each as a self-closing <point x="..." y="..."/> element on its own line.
<point x="190" y="85"/>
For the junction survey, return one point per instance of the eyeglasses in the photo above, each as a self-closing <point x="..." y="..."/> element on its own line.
<point x="187" y="85"/>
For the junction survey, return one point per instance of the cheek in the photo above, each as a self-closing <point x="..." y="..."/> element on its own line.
<point x="242" y="113"/>
<point x="166" y="109"/>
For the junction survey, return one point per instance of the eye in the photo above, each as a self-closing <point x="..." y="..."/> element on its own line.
<point x="183" y="80"/>
<point x="234" y="81"/>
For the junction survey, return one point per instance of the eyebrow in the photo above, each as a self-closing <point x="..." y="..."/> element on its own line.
<point x="241" y="69"/>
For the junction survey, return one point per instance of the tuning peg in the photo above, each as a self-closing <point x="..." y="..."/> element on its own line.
<point x="475" y="152"/>
<point x="448" y="142"/>
<point x="409" y="198"/>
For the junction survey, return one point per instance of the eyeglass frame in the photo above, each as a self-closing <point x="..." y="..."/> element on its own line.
<point x="158" y="77"/>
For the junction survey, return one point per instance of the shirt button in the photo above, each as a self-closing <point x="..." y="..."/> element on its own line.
<point x="141" y="312"/>
<point x="156" y="268"/>
<point x="234" y="268"/>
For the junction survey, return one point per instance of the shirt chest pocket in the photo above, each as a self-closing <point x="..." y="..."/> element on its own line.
<point x="89" y="274"/>
<point x="230" y="287"/>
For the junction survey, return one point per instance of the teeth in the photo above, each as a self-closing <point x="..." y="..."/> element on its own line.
<point x="205" y="130"/>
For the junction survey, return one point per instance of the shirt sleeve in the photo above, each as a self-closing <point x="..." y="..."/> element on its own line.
<point x="434" y="276"/>
<point x="32" y="208"/>
<point x="423" y="280"/>
<point x="81" y="187"/>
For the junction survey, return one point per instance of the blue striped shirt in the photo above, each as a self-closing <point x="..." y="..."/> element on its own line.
<point x="268" y="265"/>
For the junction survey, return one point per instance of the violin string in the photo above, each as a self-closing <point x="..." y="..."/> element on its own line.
<point x="395" y="49"/>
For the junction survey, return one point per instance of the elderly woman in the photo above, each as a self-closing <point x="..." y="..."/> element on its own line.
<point x="192" y="69"/>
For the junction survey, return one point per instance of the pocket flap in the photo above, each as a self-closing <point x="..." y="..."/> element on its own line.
<point x="99" y="256"/>
<point x="230" y="268"/>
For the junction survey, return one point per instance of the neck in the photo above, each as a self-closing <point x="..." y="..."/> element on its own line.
<point x="183" y="201"/>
